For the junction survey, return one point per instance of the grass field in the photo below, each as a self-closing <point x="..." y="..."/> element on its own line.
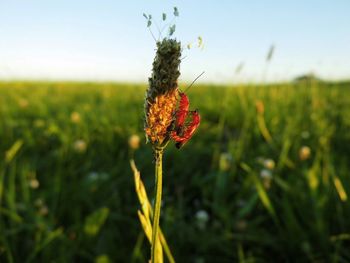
<point x="244" y="189"/>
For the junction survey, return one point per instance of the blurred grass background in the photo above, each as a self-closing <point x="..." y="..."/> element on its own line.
<point x="265" y="178"/>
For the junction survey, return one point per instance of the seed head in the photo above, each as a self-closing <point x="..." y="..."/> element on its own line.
<point x="161" y="95"/>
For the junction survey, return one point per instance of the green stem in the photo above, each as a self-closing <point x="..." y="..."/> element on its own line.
<point x="157" y="205"/>
<point x="166" y="247"/>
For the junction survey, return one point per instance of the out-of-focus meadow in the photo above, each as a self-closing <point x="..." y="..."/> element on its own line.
<point x="265" y="178"/>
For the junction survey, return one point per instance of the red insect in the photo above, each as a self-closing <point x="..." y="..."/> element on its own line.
<point x="183" y="132"/>
<point x="184" y="107"/>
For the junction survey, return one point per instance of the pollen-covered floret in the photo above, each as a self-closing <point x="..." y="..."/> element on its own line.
<point x="160" y="117"/>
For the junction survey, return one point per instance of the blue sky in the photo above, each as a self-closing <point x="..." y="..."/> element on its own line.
<point x="108" y="39"/>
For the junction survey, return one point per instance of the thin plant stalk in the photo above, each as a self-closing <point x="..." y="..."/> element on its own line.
<point x="157" y="205"/>
<point x="147" y="212"/>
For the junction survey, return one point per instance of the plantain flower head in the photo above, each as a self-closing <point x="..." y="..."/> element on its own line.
<point x="162" y="93"/>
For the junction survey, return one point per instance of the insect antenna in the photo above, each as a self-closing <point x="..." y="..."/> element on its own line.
<point x="183" y="58"/>
<point x="194" y="81"/>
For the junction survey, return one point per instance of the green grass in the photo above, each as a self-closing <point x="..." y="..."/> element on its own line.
<point x="85" y="207"/>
